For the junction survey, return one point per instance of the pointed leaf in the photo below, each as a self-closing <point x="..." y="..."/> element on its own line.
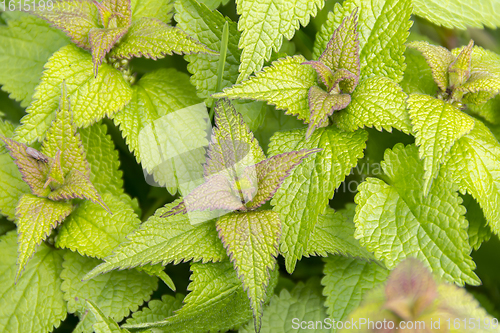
<point x="37" y="217"/>
<point x="481" y="82"/>
<point x="55" y="174"/>
<point x="103" y="324"/>
<point x="251" y="240"/>
<point x="157" y="310"/>
<point x="437" y="126"/>
<point x="91" y="99"/>
<point x="35" y="303"/>
<point x="120" y="10"/>
<point x="116" y="293"/>
<point x="438" y="58"/>
<point x="397" y="221"/>
<point x="150" y="8"/>
<point x="151" y="38"/>
<point x="101" y="41"/>
<point x="165" y="240"/>
<point x="460" y="69"/>
<point x="324" y="72"/>
<point x="304" y="195"/>
<point x="322" y="105"/>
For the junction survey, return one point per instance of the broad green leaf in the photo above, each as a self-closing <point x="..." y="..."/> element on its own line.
<point x="304" y="195"/>
<point x="206" y="26"/>
<point x="346" y="280"/>
<point x="459" y="13"/>
<point x="478" y="231"/>
<point x="473" y="164"/>
<point x="116" y="293"/>
<point x="92" y="231"/>
<point x="383" y="27"/>
<point x="334" y="234"/>
<point x="157" y="310"/>
<point x="35" y="303"/>
<point x="251" y="240"/>
<point x="217" y="302"/>
<point x="90" y="98"/>
<point x="304" y="303"/>
<point x="166" y="240"/>
<point x="437" y="125"/>
<point x="103" y="324"/>
<point x="152" y="38"/>
<point x="162" y="10"/>
<point x="101" y="41"/>
<point x="284" y="84"/>
<point x="36" y="218"/>
<point x="483" y="60"/>
<point x="396" y="220"/>
<point x="377" y="102"/>
<point x="263" y="24"/>
<point x="27" y="43"/>
<point x="418" y="75"/>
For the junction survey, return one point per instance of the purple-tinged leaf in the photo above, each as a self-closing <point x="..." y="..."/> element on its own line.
<point x="101" y="41"/>
<point x="438" y="58"/>
<point x="75" y="17"/>
<point x="152" y="38"/>
<point x="32" y="169"/>
<point x="324" y="73"/>
<point x="115" y="13"/>
<point x="55" y="174"/>
<point x="272" y="172"/>
<point x="342" y="51"/>
<point x="460" y="69"/>
<point x="37" y="217"/>
<point x="343" y="76"/>
<point x="322" y="105"/>
<point x="78" y="185"/>
<point x="251" y="240"/>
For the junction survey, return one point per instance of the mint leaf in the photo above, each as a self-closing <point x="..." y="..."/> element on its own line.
<point x="460" y="68"/>
<point x="103" y="324"/>
<point x="116" y="293"/>
<point x="55" y="174"/>
<point x="101" y="42"/>
<point x="305" y="193"/>
<point x="115" y="13"/>
<point x="264" y="23"/>
<point x="162" y="11"/>
<point x="251" y="240"/>
<point x="437" y="126"/>
<point x="322" y="105"/>
<point x="27" y="43"/>
<point x="418" y="77"/>
<point x="91" y="99"/>
<point x="435" y="222"/>
<point x="35" y="302"/>
<point x="213" y="4"/>
<point x="157" y="310"/>
<point x="36" y="218"/>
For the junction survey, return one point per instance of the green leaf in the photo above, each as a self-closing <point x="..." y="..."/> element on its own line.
<point x="322" y="105"/>
<point x="55" y="174"/>
<point x="157" y="310"/>
<point x="213" y="4"/>
<point x="151" y="38"/>
<point x="162" y="11"/>
<point x="418" y="75"/>
<point x="27" y="43"/>
<point x="478" y="231"/>
<point x="383" y="27"/>
<point x="165" y="240"/>
<point x="251" y="240"/>
<point x="206" y="26"/>
<point x="101" y="42"/>
<point x="35" y="303"/>
<point x="346" y="280"/>
<point x="103" y="324"/>
<point x="334" y="234"/>
<point x="460" y="68"/>
<point x="437" y="126"/>
<point x="119" y="11"/>
<point x="304" y="302"/>
<point x="473" y="164"/>
<point x="92" y="231"/>
<point x="458" y="13"/>
<point x="395" y="220"/>
<point x="36" y="218"/>
<point x="116" y="293"/>
<point x="377" y="102"/>
<point x="91" y="98"/>
<point x="481" y="82"/>
<point x="269" y="86"/>
<point x="304" y="195"/>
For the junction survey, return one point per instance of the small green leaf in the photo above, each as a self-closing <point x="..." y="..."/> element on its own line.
<point x="481" y="82"/>
<point x="162" y="11"/>
<point x="101" y="41"/>
<point x="157" y="310"/>
<point x="103" y="324"/>
<point x="460" y="68"/>
<point x="36" y="218"/>
<point x="55" y="174"/>
<point x="322" y="105"/>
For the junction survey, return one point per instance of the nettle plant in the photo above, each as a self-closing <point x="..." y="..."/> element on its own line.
<point x="358" y="94"/>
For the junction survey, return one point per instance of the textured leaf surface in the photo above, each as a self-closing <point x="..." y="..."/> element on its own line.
<point x="27" y="43"/>
<point x="377" y="102"/>
<point x="346" y="280"/>
<point x="157" y="310"/>
<point x="151" y="38"/>
<point x="36" y="218"/>
<point x="304" y="302"/>
<point x="101" y="41"/>
<point x="166" y="240"/>
<point x="322" y="105"/>
<point x="92" y="231"/>
<point x="437" y="126"/>
<point x="116" y="293"/>
<point x="33" y="304"/>
<point x="383" y="28"/>
<point x="102" y="323"/>
<point x="251" y="240"/>
<point x="284" y="84"/>
<point x="149" y="8"/>
<point x="264" y="23"/>
<point x="91" y="98"/>
<point x="474" y="164"/>
<point x="305" y="193"/>
<point x="55" y="174"/>
<point x="397" y="221"/>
